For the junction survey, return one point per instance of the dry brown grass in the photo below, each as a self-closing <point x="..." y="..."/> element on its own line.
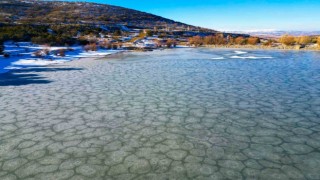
<point x="287" y="40"/>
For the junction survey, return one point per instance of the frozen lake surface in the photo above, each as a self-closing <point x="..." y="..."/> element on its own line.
<point x="174" y="114"/>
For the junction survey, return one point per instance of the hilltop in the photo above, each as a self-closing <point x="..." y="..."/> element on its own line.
<point x="82" y="13"/>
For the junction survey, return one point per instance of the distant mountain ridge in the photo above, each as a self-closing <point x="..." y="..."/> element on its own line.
<point x="60" y="12"/>
<point x="270" y="33"/>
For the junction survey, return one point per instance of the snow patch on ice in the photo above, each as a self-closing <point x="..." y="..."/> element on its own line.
<point x="92" y="54"/>
<point x="240" y="52"/>
<point x="251" y="57"/>
<point x="37" y="62"/>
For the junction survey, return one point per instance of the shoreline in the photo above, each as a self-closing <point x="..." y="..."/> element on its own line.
<point x="120" y="53"/>
<point x="14" y="63"/>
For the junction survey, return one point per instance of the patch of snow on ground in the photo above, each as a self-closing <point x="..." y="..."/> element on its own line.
<point x="22" y="55"/>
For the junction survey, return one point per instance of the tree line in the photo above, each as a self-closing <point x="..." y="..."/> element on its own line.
<point x="220" y="39"/>
<point x="289" y="40"/>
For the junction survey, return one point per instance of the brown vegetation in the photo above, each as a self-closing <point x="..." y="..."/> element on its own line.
<point x="287" y="40"/>
<point x="253" y="40"/>
<point x="105" y="44"/>
<point x="159" y="43"/>
<point x="196" y="41"/>
<point x="268" y="43"/>
<point x="171" y="43"/>
<point x="209" y="40"/>
<point x="90" y="47"/>
<point x="303" y="40"/>
<point x="219" y="39"/>
<point x="42" y="53"/>
<point x="149" y="33"/>
<point x="240" y="40"/>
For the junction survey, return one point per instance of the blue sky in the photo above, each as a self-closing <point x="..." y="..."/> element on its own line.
<point x="233" y="14"/>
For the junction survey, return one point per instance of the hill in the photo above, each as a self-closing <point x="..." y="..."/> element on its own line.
<point x="58" y="12"/>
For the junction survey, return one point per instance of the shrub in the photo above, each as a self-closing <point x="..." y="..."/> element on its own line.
<point x="90" y="47"/>
<point x="318" y="41"/>
<point x="268" y="43"/>
<point x="287" y="40"/>
<point x="117" y="33"/>
<point x="171" y="43"/>
<point x="105" y="44"/>
<point x="142" y="34"/>
<point x="149" y="33"/>
<point x="240" y="40"/>
<point x="158" y="43"/>
<point x="93" y="47"/>
<point x="42" y="53"/>
<point x="253" y="40"/>
<point x="304" y="40"/>
<point x="209" y="40"/>
<point x="219" y="39"/>
<point x="46" y="52"/>
<point x="196" y="40"/>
